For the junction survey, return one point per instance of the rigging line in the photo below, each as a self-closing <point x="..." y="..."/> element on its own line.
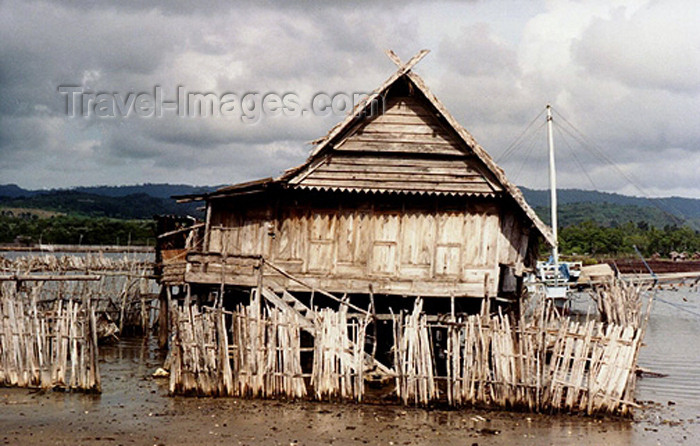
<point x="669" y="209"/>
<point x="531" y="140"/>
<point x="584" y="141"/>
<point x="560" y="133"/>
<point x="677" y="306"/>
<point x="518" y="140"/>
<point x="527" y="153"/>
<point x="629" y="179"/>
<point x="597" y="151"/>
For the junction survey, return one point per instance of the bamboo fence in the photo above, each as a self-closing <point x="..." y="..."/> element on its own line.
<point x="249" y="354"/>
<point x="55" y="348"/>
<point x="575" y="367"/>
<point x="551" y="365"/>
<point x="263" y="359"/>
<point x="68" y="263"/>
<point x="338" y="363"/>
<point x="413" y="358"/>
<point x="121" y="289"/>
<point x="619" y="301"/>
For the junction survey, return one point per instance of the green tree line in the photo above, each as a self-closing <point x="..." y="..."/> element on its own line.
<point x="591" y="238"/>
<point x="74" y="230"/>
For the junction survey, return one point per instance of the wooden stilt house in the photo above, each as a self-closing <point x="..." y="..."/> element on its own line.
<point x="398" y="199"/>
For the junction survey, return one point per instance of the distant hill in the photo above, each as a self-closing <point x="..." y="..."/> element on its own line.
<point x="14" y="191"/>
<point x="686" y="208"/>
<point x="609" y="209"/>
<point x="159" y="190"/>
<point x="610" y="215"/>
<point x="124" y="202"/>
<point x="136" y="206"/>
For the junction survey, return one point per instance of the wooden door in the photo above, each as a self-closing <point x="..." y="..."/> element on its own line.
<point x="322" y="227"/>
<point x="450" y="240"/>
<point x="417" y="244"/>
<point x="385" y="236"/>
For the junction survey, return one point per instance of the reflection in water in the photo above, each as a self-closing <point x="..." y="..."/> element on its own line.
<point x="126" y="368"/>
<point x="672" y="341"/>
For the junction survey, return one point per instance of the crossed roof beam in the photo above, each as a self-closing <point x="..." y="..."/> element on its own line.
<point x="403" y="68"/>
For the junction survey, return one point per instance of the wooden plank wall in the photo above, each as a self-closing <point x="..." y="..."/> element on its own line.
<point x="385" y="172"/>
<point x="405" y="126"/>
<point x="406" y="148"/>
<point x="514" y="239"/>
<point x="429" y="248"/>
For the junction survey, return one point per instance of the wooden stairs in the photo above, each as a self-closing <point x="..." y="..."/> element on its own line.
<point x="285" y="301"/>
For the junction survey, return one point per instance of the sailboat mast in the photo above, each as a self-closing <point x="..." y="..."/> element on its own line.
<point x="553" y="189"/>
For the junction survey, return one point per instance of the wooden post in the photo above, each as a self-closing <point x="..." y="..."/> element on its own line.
<point x="255" y="303"/>
<point x="188" y="296"/>
<point x="207" y="229"/>
<point x="519" y="286"/>
<point x="374" y="321"/>
<point x="95" y="369"/>
<point x="163" y="328"/>
<point x="487" y="296"/>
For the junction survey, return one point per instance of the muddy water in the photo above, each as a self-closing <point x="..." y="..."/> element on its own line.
<point x="673" y="348"/>
<point x="135" y="409"/>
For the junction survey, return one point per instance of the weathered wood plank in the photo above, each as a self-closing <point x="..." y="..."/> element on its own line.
<point x="394" y="176"/>
<point x="396" y="116"/>
<point x="387" y="166"/>
<point x="425" y="128"/>
<point x="392" y="146"/>
<point x="403" y="138"/>
<point x="366" y="159"/>
<point x="369" y="183"/>
<point x="336" y="284"/>
<point x="401" y="178"/>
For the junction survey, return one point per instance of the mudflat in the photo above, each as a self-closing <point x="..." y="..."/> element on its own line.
<point x="134" y="408"/>
<point x="157" y="419"/>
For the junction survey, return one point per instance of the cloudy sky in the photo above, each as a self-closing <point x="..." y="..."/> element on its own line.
<point x="625" y="74"/>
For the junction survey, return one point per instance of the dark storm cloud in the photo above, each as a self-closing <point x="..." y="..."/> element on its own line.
<point x="626" y="77"/>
